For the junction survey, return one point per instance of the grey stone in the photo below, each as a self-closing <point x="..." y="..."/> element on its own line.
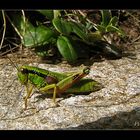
<point x="116" y="106"/>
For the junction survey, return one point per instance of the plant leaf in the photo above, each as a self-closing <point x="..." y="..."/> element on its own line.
<point x="78" y="30"/>
<point x="66" y="49"/>
<point x="56" y="13"/>
<point x="62" y="26"/>
<point x="37" y="36"/>
<point x="48" y="13"/>
<point x="111" y="28"/>
<point x="106" y="16"/>
<point x="101" y="29"/>
<point x="114" y="21"/>
<point x="33" y="36"/>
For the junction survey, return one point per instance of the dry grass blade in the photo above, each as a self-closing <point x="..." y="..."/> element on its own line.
<point x="4" y="29"/>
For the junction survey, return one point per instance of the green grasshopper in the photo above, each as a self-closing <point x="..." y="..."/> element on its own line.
<point x="55" y="83"/>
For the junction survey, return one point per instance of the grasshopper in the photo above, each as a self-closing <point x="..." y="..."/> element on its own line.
<point x="55" y="83"/>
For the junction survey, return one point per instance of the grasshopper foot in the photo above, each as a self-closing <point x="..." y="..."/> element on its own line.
<point x="55" y="104"/>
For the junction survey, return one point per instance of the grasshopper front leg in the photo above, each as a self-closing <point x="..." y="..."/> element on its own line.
<point x="29" y="89"/>
<point x="65" y="84"/>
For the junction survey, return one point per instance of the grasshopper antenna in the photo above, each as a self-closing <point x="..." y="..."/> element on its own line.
<point x="15" y="65"/>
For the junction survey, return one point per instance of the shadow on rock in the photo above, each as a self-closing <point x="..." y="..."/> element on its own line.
<point x="122" y="120"/>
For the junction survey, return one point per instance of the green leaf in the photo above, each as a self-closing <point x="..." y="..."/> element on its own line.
<point x="114" y="21"/>
<point x="21" y="24"/>
<point x="101" y="29"/>
<point x="32" y="36"/>
<point x="57" y="13"/>
<point x="93" y="36"/>
<point x="106" y="16"/>
<point x="62" y="26"/>
<point x="48" y="13"/>
<point x="37" y="36"/>
<point x="44" y="51"/>
<point x="111" y="28"/>
<point x="66" y="49"/>
<point x="89" y="26"/>
<point x="78" y="30"/>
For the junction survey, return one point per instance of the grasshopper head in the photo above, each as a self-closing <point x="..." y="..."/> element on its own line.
<point x="22" y="76"/>
<point x="22" y="73"/>
<point x="86" y="70"/>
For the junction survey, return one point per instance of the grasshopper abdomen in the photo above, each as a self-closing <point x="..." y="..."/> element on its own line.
<point x="51" y="80"/>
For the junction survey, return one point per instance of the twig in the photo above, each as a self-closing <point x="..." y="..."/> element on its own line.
<point x="133" y="17"/>
<point x="14" y="27"/>
<point x="87" y="19"/>
<point x="4" y="29"/>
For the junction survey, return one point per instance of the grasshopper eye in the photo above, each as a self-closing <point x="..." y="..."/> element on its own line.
<point x="86" y="70"/>
<point x="23" y="70"/>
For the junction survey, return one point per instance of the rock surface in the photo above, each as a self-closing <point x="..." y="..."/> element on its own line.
<point x="116" y="106"/>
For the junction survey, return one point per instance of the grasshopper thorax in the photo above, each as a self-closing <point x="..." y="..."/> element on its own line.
<point x="86" y="70"/>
